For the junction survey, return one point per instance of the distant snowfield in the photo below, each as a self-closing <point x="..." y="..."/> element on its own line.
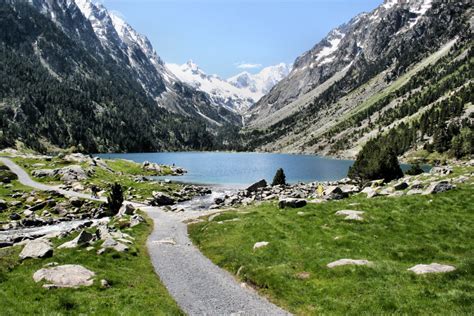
<point x="238" y="92"/>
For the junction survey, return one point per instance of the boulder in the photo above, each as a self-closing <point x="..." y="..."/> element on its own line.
<point x="126" y="209"/>
<point x="42" y="173"/>
<point x="161" y="199"/>
<point x="351" y="215"/>
<point x="82" y="239"/>
<point x="3" y="205"/>
<point x="401" y="186"/>
<point x="66" y="276"/>
<point x="334" y="193"/>
<point x="71" y="173"/>
<point x="371" y="192"/>
<point x="291" y="202"/>
<point x="35" y="249"/>
<point x="344" y="262"/>
<point x="441" y="171"/>
<point x="431" y="268"/>
<point x="15" y="216"/>
<point x="439" y="187"/>
<point x="113" y="244"/>
<point x="136" y="220"/>
<point x="257" y="185"/>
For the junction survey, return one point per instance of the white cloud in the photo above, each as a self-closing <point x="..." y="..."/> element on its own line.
<point x="248" y="66"/>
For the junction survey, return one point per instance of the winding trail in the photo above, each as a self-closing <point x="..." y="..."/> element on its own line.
<point x="198" y="286"/>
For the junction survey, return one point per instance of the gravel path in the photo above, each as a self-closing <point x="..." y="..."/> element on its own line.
<point x="198" y="286"/>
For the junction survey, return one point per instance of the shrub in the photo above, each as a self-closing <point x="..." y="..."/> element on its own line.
<point x="115" y="199"/>
<point x="280" y="178"/>
<point x="414" y="170"/>
<point x="375" y="161"/>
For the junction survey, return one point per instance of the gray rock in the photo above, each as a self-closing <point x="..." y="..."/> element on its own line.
<point x="439" y="187"/>
<point x="83" y="238"/>
<point x="66" y="276"/>
<point x="401" y="186"/>
<point x="35" y="249"/>
<point x="42" y="173"/>
<point x="72" y="173"/>
<point x="334" y="193"/>
<point x="414" y="192"/>
<point x="260" y="244"/>
<point x="161" y="199"/>
<point x="15" y="216"/>
<point x="431" y="268"/>
<point x="257" y="185"/>
<point x="291" y="202"/>
<point x="126" y="209"/>
<point x="113" y="244"/>
<point x="136" y="220"/>
<point x="3" y="205"/>
<point x="441" y="171"/>
<point x="344" y="262"/>
<point x="351" y="215"/>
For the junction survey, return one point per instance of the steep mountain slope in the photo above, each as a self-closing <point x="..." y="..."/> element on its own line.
<point x="352" y="69"/>
<point x="237" y="93"/>
<point x="69" y="82"/>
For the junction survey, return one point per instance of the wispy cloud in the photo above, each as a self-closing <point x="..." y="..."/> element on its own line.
<point x="248" y="65"/>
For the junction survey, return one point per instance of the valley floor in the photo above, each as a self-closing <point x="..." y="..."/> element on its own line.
<point x="396" y="233"/>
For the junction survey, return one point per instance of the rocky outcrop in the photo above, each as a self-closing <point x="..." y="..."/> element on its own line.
<point x="162" y="199"/>
<point x="35" y="249"/>
<point x="257" y="185"/>
<point x="65" y="276"/>
<point x="70" y="173"/>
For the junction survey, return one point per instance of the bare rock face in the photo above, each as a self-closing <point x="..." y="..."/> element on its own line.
<point x="35" y="249"/>
<point x="257" y="185"/>
<point x="345" y="262"/>
<point x="66" y="276"/>
<point x="431" y="268"/>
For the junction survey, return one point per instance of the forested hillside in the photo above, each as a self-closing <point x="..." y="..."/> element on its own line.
<point x="55" y="93"/>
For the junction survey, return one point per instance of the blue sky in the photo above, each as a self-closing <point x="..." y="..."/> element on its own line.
<point x="222" y="35"/>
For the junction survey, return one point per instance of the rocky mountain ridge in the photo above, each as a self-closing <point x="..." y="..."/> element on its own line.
<point x="373" y="55"/>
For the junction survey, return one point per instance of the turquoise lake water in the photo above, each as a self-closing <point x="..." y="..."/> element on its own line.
<point x="240" y="169"/>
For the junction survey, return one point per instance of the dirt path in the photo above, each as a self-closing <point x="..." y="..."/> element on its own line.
<point x="198" y="286"/>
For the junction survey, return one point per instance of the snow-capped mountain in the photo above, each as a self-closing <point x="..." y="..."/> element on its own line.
<point x="238" y="92"/>
<point x="108" y="35"/>
<point x="369" y="38"/>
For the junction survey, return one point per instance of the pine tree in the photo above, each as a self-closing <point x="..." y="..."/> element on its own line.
<point x="280" y="178"/>
<point x="115" y="199"/>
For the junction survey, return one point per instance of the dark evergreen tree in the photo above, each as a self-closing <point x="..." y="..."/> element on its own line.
<point x="376" y="161"/>
<point x="115" y="199"/>
<point x="280" y="178"/>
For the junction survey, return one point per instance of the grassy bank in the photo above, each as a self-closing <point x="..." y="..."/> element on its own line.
<point x="120" y="171"/>
<point x="396" y="234"/>
<point x="135" y="288"/>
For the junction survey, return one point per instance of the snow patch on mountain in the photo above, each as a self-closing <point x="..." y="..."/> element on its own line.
<point x="238" y="92"/>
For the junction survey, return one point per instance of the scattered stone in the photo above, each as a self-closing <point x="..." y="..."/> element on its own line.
<point x="441" y="171"/>
<point x="260" y="244"/>
<point x="161" y="199"/>
<point x="83" y="238"/>
<point x="431" y="268"/>
<point x="401" y="186"/>
<point x="257" y="185"/>
<point x="126" y="209"/>
<point x="113" y="244"/>
<point x="66" y="276"/>
<point x="351" y="215"/>
<point x="104" y="284"/>
<point x="344" y="262"/>
<point x="15" y="216"/>
<point x="38" y="248"/>
<point x="136" y="220"/>
<point x="439" y="187"/>
<point x="414" y="192"/>
<point x="291" y="202"/>
<point x="371" y="192"/>
<point x="3" y="205"/>
<point x="303" y="275"/>
<point x="334" y="193"/>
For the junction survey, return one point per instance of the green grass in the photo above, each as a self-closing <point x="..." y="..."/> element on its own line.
<point x="135" y="288"/>
<point x="123" y="173"/>
<point x="396" y="234"/>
